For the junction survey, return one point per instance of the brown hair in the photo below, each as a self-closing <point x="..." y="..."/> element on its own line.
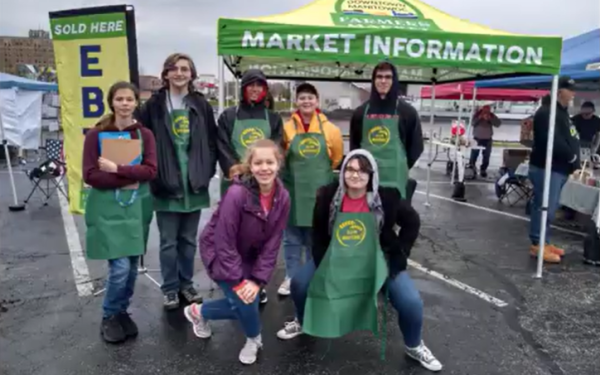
<point x="170" y="62"/>
<point x="108" y="121"/>
<point x="244" y="167"/>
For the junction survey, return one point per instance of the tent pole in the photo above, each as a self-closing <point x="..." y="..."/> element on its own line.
<point x="471" y="114"/>
<point x="221" y="72"/>
<point x="457" y="141"/>
<point x="16" y="206"/>
<point x="430" y="161"/>
<point x="547" y="173"/>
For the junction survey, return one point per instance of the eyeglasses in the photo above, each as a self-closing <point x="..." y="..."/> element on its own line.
<point x="351" y="172"/>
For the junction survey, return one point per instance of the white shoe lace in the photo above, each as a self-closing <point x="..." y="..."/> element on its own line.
<point x="292" y="327"/>
<point x="424" y="353"/>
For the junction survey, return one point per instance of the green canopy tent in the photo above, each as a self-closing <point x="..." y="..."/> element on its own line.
<point x="341" y="40"/>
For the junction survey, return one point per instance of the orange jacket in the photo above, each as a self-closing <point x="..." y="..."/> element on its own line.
<point x="333" y="135"/>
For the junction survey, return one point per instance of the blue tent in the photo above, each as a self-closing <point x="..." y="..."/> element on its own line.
<point x="578" y="52"/>
<point x="8" y="80"/>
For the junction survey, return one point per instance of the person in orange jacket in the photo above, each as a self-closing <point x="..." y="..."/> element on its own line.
<point x="314" y="148"/>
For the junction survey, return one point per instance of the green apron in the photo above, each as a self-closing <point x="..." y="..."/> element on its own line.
<point x="382" y="139"/>
<point x="190" y="202"/>
<point x="118" y="221"/>
<point x="245" y="133"/>
<point x="342" y="296"/>
<point x="307" y="168"/>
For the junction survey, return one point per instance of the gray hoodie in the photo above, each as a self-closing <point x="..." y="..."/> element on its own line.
<point x="373" y="198"/>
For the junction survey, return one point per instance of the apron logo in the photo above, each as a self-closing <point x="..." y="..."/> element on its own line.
<point x="379" y="136"/>
<point x="351" y="233"/>
<point x="309" y="148"/>
<point x="251" y="135"/>
<point x="181" y="125"/>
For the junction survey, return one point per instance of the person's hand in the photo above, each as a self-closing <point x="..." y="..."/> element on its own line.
<point x="107" y="165"/>
<point x="248" y="292"/>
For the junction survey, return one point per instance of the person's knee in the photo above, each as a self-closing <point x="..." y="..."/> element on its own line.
<point x="120" y="270"/>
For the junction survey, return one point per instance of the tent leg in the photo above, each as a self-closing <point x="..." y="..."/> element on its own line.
<point x="471" y="114"/>
<point x="547" y="173"/>
<point x="16" y="206"/>
<point x="222" y="83"/>
<point x="430" y="161"/>
<point x="458" y="186"/>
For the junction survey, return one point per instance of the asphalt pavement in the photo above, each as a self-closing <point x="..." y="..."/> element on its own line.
<point x="484" y="312"/>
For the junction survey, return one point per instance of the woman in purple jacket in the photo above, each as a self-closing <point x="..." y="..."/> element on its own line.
<point x="240" y="245"/>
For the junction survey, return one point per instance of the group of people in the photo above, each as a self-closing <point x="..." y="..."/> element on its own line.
<point x="345" y="239"/>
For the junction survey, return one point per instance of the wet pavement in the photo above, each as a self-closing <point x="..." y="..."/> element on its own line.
<point x="549" y="326"/>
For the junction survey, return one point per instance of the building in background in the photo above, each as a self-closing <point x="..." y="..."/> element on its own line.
<point x="149" y="85"/>
<point x="27" y="56"/>
<point x="207" y="84"/>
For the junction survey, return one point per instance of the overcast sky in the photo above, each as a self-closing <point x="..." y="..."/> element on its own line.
<point x="166" y="26"/>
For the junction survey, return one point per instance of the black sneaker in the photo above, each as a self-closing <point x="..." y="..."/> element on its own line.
<point x="171" y="301"/>
<point x="191" y="295"/>
<point x="129" y="327"/>
<point x="111" y="330"/>
<point x="483" y="174"/>
<point x="263" y="297"/>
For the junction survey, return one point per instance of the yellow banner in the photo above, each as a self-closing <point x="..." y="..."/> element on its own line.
<point x="92" y="49"/>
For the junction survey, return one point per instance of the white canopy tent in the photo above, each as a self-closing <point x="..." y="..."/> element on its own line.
<point x="20" y="118"/>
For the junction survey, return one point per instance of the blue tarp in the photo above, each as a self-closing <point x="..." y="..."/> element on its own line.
<point x="577" y="53"/>
<point x="8" y="80"/>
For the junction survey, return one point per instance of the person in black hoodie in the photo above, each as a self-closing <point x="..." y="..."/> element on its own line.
<point x="184" y="126"/>
<point x="241" y="125"/>
<point x="390" y="129"/>
<point x="565" y="161"/>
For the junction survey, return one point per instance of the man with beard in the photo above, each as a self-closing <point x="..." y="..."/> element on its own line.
<point x="390" y="129"/>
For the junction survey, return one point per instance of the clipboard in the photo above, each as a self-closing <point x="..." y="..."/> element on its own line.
<point x="123" y="152"/>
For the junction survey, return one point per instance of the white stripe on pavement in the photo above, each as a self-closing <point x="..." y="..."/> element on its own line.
<point x="81" y="273"/>
<point x="457" y="284"/>
<point x="491" y="210"/>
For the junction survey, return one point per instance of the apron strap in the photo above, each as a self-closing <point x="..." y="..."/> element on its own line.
<point x="320" y="125"/>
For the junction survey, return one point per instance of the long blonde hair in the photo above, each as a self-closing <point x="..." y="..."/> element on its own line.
<point x="243" y="168"/>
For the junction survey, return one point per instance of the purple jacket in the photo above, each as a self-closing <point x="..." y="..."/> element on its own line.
<point x="241" y="241"/>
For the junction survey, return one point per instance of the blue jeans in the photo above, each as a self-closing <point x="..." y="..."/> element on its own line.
<point x="557" y="181"/>
<point x="122" y="274"/>
<point x="177" y="249"/>
<point x="233" y="308"/>
<point x="295" y="241"/>
<point x="401" y="291"/>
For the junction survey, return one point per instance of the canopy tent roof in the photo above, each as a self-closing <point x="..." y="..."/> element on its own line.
<point x="578" y="52"/>
<point x="8" y="81"/>
<point x="344" y="39"/>
<point x="453" y="91"/>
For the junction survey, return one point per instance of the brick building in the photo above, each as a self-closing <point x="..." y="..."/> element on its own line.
<point x="35" y="49"/>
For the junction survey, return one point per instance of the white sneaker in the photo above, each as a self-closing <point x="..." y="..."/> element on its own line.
<point x="200" y="326"/>
<point x="284" y="288"/>
<point x="423" y="355"/>
<point x="290" y="330"/>
<point x="249" y="352"/>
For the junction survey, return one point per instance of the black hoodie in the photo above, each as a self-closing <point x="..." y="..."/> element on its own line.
<point x="245" y="111"/>
<point x="409" y="123"/>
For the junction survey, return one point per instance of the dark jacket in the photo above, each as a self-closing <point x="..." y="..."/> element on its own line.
<point x="244" y="111"/>
<point x="397" y="247"/>
<point x="565" y="155"/>
<point x="409" y="123"/>
<point x="202" y="148"/>
<point x="587" y="128"/>
<point x="240" y="241"/>
<point x="126" y="174"/>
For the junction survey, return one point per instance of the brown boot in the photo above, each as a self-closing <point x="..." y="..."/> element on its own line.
<point x="556" y="250"/>
<point x="549" y="256"/>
